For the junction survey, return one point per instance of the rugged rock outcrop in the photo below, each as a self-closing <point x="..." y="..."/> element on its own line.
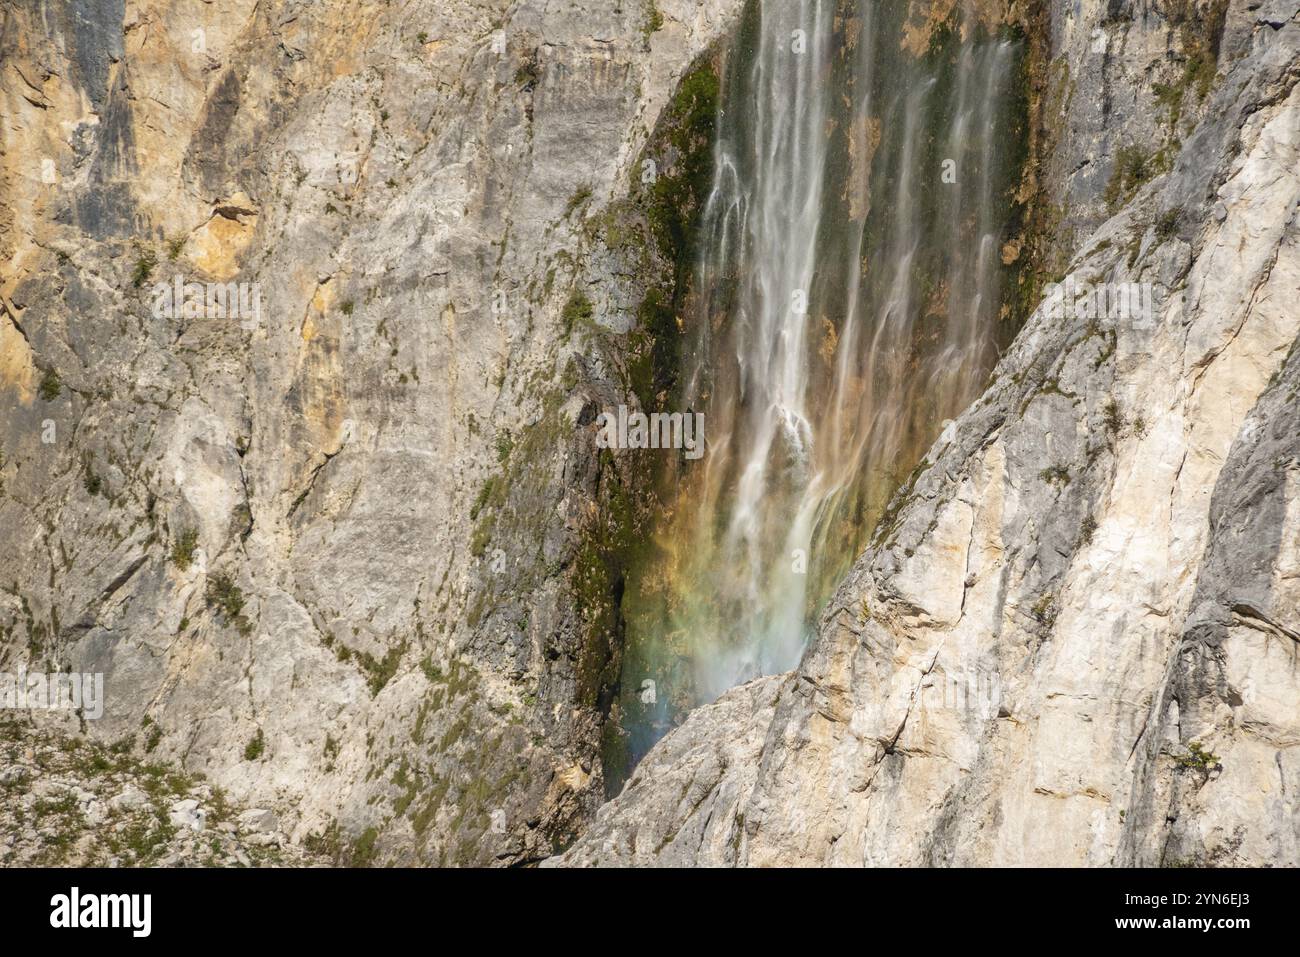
<point x="70" y="801"/>
<point x="1074" y="637"/>
<point x="329" y="545"/>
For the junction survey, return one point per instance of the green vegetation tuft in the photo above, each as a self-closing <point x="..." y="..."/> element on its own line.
<point x="51" y="386"/>
<point x="579" y="197"/>
<point x="1197" y="758"/>
<point x="1113" y="417"/>
<point x="363" y="851"/>
<point x="1044" y="610"/>
<point x="578" y="311"/>
<point x="1055" y="475"/>
<point x="654" y="21"/>
<point x="380" y="671"/>
<point x="1133" y="168"/>
<point x="184" y="547"/>
<point x="225" y="596"/>
<point x="143" y="268"/>
<point x="256" y="747"/>
<point x="90" y="479"/>
<point x="1167" y="224"/>
<point x="1088" y="529"/>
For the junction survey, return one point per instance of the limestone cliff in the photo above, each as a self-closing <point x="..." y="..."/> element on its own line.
<point x="327" y="555"/>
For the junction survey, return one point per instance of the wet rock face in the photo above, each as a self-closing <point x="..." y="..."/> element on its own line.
<point x="1072" y="640"/>
<point x="325" y="539"/>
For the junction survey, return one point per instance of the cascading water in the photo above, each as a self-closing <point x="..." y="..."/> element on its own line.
<point x="847" y="300"/>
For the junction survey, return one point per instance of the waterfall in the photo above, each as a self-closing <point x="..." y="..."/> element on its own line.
<point x="848" y="299"/>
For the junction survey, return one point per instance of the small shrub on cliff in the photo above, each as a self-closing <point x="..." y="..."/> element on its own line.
<point x="1167" y="224"/>
<point x="1113" y="418"/>
<point x="481" y="500"/>
<point x="1133" y="167"/>
<point x="51" y="386"/>
<point x="580" y="196"/>
<point x="1089" y="529"/>
<point x="1055" y="475"/>
<point x="90" y="479"/>
<point x="224" y="595"/>
<point x="380" y="671"/>
<point x="654" y="20"/>
<point x="153" y="736"/>
<point x="527" y="75"/>
<point x="1197" y="758"/>
<point x="143" y="269"/>
<point x="577" y="310"/>
<point x="256" y="747"/>
<point x="363" y="851"/>
<point x="184" y="547"/>
<point x="1044" y="610"/>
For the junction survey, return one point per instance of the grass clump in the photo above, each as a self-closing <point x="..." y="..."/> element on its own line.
<point x="1112" y="417"/>
<point x="184" y="547"/>
<point x="223" y="595"/>
<point x="380" y="671"/>
<point x="483" y="498"/>
<point x="1197" y="758"/>
<point x="153" y="734"/>
<point x="577" y="311"/>
<point x="580" y="196"/>
<point x="90" y="478"/>
<point x="256" y="747"/>
<point x="51" y="386"/>
<point x="143" y="269"/>
<point x="1055" y="475"/>
<point x="1088" y="529"/>
<point x="431" y="671"/>
<point x="1133" y="168"/>
<point x="1167" y="225"/>
<point x="1044" y="610"/>
<point x="363" y="851"/>
<point x="654" y="20"/>
<point x="528" y="74"/>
